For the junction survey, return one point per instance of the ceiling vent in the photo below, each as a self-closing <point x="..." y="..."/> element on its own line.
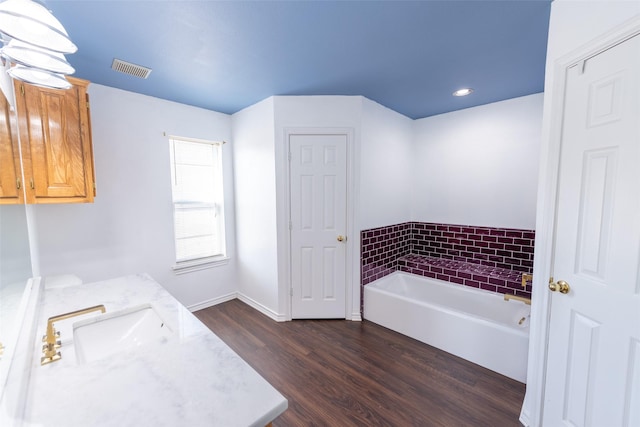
<point x="131" y="69"/>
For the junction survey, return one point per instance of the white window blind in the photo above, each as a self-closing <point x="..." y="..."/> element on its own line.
<point x="198" y="203"/>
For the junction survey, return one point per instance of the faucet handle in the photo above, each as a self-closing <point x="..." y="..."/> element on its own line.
<point x="49" y="354"/>
<point x="50" y="347"/>
<point x="54" y="339"/>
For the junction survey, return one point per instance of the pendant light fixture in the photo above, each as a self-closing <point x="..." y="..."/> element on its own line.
<point x="38" y="77"/>
<point x="33" y="56"/>
<point x="36" y="41"/>
<point x="32" y="23"/>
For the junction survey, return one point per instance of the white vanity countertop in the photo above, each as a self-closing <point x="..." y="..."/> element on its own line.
<point x="194" y="379"/>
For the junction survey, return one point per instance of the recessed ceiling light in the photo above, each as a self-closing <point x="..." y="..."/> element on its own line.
<point x="463" y="92"/>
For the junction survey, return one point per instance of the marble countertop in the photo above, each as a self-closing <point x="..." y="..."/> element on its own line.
<point x="192" y="379"/>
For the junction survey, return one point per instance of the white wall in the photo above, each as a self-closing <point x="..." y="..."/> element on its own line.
<point x="316" y="111"/>
<point x="572" y="25"/>
<point x="386" y="152"/>
<point x="255" y="188"/>
<point x="479" y="166"/>
<point x="129" y="228"/>
<point x="15" y="260"/>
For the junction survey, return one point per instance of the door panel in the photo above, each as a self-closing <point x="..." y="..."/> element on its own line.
<point x="594" y="222"/>
<point x="583" y="340"/>
<point x="10" y="172"/>
<point x="329" y="264"/>
<point x="591" y="377"/>
<point x="318" y="217"/>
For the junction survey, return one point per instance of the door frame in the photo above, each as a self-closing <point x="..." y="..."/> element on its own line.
<point x="352" y="254"/>
<point x="533" y="405"/>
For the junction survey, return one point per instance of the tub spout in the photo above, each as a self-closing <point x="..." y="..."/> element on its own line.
<point x="507" y="297"/>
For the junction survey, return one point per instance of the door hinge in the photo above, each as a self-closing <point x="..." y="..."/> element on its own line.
<point x="290" y="225"/>
<point x="94" y="189"/>
<point x="581" y="66"/>
<point x="18" y="183"/>
<point x="289" y="156"/>
<point x="290" y="291"/>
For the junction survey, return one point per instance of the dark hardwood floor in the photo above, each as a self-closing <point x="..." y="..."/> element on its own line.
<point x="342" y="373"/>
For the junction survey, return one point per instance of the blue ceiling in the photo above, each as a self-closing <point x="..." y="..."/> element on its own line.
<point x="226" y="55"/>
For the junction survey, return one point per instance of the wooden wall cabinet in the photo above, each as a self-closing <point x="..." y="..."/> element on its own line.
<point x="10" y="174"/>
<point x="55" y="139"/>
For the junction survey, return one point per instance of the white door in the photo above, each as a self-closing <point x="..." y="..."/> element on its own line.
<point x="318" y="225"/>
<point x="593" y="360"/>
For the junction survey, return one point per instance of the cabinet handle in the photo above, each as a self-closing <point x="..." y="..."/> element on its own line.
<point x="33" y="187"/>
<point x="18" y="183"/>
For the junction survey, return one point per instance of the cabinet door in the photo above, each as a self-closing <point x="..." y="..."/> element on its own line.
<point x="11" y="191"/>
<point x="57" y="152"/>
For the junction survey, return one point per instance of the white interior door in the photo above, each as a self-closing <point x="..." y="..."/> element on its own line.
<point x="593" y="361"/>
<point x="318" y="178"/>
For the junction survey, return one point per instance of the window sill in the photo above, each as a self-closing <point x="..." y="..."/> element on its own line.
<point x="199" y="264"/>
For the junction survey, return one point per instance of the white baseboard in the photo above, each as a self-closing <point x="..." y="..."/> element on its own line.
<point x="211" y="302"/>
<point x="261" y="308"/>
<point x="253" y="304"/>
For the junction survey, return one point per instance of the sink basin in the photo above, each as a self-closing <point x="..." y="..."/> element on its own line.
<point x="112" y="333"/>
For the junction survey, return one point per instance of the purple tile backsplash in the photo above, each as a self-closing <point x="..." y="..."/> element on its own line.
<point x="381" y="248"/>
<point x="482" y="257"/>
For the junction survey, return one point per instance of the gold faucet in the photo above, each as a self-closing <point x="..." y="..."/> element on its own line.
<point x="507" y="297"/>
<point x="526" y="278"/>
<point x="49" y="349"/>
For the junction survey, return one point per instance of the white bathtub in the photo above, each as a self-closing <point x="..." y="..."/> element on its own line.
<point x="476" y="325"/>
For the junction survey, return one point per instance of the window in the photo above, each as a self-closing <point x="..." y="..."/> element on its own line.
<point x="198" y="203"/>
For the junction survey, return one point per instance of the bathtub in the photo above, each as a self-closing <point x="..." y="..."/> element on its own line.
<point x="477" y="325"/>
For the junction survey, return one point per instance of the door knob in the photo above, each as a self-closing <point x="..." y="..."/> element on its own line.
<point x="341" y="238"/>
<point x="560" y="286"/>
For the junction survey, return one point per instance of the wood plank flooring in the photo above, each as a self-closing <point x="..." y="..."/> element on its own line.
<point x="343" y="373"/>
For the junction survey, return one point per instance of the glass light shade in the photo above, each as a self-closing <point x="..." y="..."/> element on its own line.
<point x="32" y="23"/>
<point x="33" y="56"/>
<point x="39" y="77"/>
